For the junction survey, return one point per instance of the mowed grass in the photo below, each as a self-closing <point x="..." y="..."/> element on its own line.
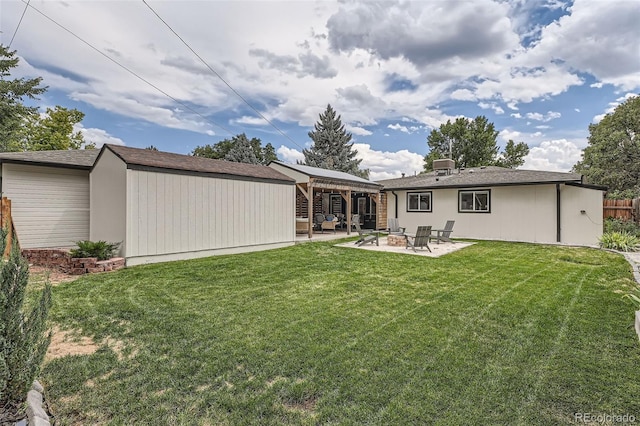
<point x="497" y="333"/>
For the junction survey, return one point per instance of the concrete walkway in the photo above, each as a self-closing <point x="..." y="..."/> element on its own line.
<point x="634" y="259"/>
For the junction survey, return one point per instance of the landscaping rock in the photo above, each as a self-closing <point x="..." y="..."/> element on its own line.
<point x="34" y="406"/>
<point x="37" y="386"/>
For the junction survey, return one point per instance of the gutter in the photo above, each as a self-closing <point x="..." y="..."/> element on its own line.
<point x="558" y="239"/>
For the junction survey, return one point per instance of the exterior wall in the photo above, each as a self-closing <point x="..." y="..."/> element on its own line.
<point x="49" y="205"/>
<point x="518" y="213"/>
<point x="108" y="200"/>
<point x="174" y="216"/>
<point x="581" y="228"/>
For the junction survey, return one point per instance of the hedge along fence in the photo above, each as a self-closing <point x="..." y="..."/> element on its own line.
<point x="628" y="209"/>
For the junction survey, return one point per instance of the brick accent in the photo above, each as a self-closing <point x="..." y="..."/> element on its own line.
<point x="61" y="260"/>
<point x="396" y="240"/>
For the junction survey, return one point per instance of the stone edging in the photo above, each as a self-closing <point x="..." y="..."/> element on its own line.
<point x="636" y="274"/>
<point x="36" y="414"/>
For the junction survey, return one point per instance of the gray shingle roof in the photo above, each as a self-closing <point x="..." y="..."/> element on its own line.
<point x="328" y="174"/>
<point x="77" y="158"/>
<point x="188" y="163"/>
<point x="476" y="176"/>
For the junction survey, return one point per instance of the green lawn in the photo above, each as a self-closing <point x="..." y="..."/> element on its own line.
<point x="497" y="333"/>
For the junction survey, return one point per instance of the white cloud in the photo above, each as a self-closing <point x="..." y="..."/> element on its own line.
<point x="491" y="105"/>
<point x="387" y="165"/>
<point x="597" y="85"/>
<point x="96" y="136"/>
<point x="463" y="95"/>
<point x="550" y="115"/>
<point x="399" y="127"/>
<point x="289" y="155"/>
<point x="553" y="155"/>
<point x="612" y="106"/>
<point x="356" y="130"/>
<point x="507" y="134"/>
<point x="576" y="109"/>
<point x="516" y="115"/>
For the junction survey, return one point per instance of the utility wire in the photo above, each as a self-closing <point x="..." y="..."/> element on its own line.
<point x="19" y="22"/>
<point x="219" y="76"/>
<point x="129" y="70"/>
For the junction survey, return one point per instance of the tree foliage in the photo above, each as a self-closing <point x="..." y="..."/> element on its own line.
<point x="612" y="157"/>
<point x="332" y="148"/>
<point x="473" y="143"/>
<point x="22" y="128"/>
<point x="52" y="130"/>
<point x="223" y="149"/>
<point x="13" y="93"/>
<point x="23" y="337"/>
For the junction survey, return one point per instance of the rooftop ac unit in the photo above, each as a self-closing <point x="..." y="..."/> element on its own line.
<point x="445" y="165"/>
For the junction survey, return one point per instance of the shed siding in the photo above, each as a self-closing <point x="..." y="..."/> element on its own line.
<point x="108" y="200"/>
<point x="293" y="174"/>
<point x="49" y="205"/>
<point x="172" y="216"/>
<point x="518" y="213"/>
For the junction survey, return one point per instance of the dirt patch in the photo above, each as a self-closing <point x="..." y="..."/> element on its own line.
<point x="64" y="343"/>
<point x="40" y="274"/>
<point x="307" y="406"/>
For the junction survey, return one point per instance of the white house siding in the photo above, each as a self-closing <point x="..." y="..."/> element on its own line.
<point x="177" y="216"/>
<point x="581" y="228"/>
<point x="49" y="205"/>
<point x="108" y="200"/>
<point x="518" y="213"/>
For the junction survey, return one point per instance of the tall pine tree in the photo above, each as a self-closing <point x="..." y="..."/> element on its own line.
<point x="242" y="151"/>
<point x="332" y="148"/>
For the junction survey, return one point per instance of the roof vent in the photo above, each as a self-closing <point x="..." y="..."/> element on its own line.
<point x="443" y="166"/>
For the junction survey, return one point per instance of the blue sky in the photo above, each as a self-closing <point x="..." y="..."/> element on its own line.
<point x="541" y="71"/>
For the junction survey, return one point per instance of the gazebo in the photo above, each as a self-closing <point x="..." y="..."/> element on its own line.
<point x="332" y="192"/>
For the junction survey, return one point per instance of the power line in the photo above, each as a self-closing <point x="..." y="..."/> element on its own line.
<point x="19" y="22"/>
<point x="219" y="76"/>
<point x="128" y="69"/>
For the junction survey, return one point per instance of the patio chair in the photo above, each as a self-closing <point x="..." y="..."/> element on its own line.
<point x="362" y="233"/>
<point x="420" y="239"/>
<point x="330" y="222"/>
<point x="394" y="227"/>
<point x="318" y="218"/>
<point x="444" y="234"/>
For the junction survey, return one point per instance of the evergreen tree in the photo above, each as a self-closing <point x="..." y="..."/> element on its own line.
<point x="242" y="151"/>
<point x="269" y="154"/>
<point x="332" y="148"/>
<point x="220" y="150"/>
<point x="23" y="338"/>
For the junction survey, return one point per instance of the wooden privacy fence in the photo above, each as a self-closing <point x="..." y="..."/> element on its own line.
<point x="7" y="223"/>
<point x="622" y="209"/>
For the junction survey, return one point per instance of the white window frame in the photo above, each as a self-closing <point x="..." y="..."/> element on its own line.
<point x="476" y="205"/>
<point x="428" y="194"/>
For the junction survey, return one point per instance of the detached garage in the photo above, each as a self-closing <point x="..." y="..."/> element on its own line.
<point x="165" y="206"/>
<point x="49" y="193"/>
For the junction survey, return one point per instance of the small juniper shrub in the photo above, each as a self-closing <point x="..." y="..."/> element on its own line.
<point x="100" y="249"/>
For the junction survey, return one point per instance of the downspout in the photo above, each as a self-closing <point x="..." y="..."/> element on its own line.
<point x="395" y="196"/>
<point x="558" y="239"/>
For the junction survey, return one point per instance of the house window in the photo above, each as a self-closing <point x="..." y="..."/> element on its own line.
<point x="419" y="201"/>
<point x="474" y="201"/>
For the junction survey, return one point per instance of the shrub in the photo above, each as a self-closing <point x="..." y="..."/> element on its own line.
<point x="23" y="338"/>
<point x="622" y="241"/>
<point x="100" y="249"/>
<point x="634" y="296"/>
<point x="619" y="225"/>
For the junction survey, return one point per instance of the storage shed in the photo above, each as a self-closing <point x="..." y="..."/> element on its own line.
<point x="49" y="192"/>
<point x="165" y="206"/>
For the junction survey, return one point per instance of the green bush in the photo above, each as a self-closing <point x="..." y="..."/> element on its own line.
<point x="619" y="225"/>
<point x="634" y="296"/>
<point x="100" y="249"/>
<point x="23" y="333"/>
<point x="622" y="241"/>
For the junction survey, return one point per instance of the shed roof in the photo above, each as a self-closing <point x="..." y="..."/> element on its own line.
<point x="480" y="176"/>
<point x="76" y="158"/>
<point x="317" y="172"/>
<point x="158" y="160"/>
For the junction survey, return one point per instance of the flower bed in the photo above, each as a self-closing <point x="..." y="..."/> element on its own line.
<point x="61" y="260"/>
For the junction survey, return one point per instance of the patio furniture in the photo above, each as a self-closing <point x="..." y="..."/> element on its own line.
<point x="317" y="221"/>
<point x="362" y="233"/>
<point x="394" y="227"/>
<point x="330" y="222"/>
<point x="371" y="238"/>
<point x="420" y="239"/>
<point x="444" y="234"/>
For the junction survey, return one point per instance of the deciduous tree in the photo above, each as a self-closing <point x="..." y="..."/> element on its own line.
<point x="53" y="130"/>
<point x="612" y="157"/>
<point x="220" y="150"/>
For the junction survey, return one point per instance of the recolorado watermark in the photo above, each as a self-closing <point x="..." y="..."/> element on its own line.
<point x="604" y="418"/>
